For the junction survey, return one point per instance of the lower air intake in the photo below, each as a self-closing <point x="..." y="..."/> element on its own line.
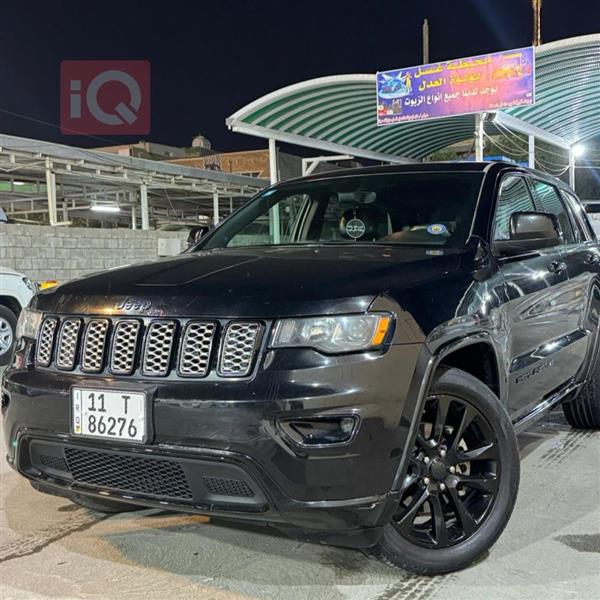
<point x="220" y="486"/>
<point x="134" y="474"/>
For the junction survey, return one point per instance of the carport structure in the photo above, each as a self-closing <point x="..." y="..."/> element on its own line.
<point x="53" y="182"/>
<point x="337" y="114"/>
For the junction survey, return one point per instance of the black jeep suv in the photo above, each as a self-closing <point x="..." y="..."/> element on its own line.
<point x="346" y="358"/>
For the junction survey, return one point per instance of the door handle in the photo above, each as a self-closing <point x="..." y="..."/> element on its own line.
<point x="591" y="258"/>
<point x="557" y="266"/>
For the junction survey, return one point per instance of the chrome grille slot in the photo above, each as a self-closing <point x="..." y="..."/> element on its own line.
<point x="124" y="346"/>
<point x="153" y="347"/>
<point x="45" y="343"/>
<point x="239" y="347"/>
<point x="94" y="342"/>
<point x="158" y="348"/>
<point x="194" y="359"/>
<point x="68" y="339"/>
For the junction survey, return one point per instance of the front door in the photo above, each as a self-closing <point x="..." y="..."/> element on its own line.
<point x="536" y="321"/>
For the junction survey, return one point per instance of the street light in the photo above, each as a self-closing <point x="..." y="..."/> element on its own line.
<point x="578" y="150"/>
<point x="106" y="208"/>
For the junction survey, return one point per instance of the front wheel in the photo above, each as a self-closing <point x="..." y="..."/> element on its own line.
<point x="8" y="327"/>
<point x="462" y="481"/>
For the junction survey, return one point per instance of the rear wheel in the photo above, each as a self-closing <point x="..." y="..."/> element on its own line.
<point x="462" y="480"/>
<point x="583" y="411"/>
<point x="104" y="506"/>
<point x="8" y="327"/>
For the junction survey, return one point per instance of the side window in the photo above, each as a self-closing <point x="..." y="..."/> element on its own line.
<point x="513" y="197"/>
<point x="548" y="199"/>
<point x="587" y="233"/>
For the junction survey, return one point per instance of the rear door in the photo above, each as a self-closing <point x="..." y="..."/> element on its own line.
<point x="582" y="257"/>
<point x="536" y="321"/>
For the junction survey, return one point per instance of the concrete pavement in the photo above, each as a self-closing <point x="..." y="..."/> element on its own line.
<point x="50" y="548"/>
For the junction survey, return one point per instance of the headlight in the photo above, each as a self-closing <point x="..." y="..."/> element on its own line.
<point x="32" y="286"/>
<point x="348" y="333"/>
<point x="29" y="323"/>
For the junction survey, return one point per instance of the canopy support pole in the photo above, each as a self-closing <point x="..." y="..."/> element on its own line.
<point x="51" y="193"/>
<point x="572" y="169"/>
<point x="531" y="151"/>
<point x="479" y="121"/>
<point x="274" y="225"/>
<point x="215" y="207"/>
<point x="144" y="206"/>
<point x="133" y="215"/>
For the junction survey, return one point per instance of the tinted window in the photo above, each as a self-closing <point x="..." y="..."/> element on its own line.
<point x="548" y="200"/>
<point x="434" y="209"/>
<point x="580" y="216"/>
<point x="513" y="197"/>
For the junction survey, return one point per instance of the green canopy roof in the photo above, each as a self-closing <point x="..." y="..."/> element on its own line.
<point x="338" y="113"/>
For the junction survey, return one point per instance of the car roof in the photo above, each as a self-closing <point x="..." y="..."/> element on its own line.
<point x="431" y="167"/>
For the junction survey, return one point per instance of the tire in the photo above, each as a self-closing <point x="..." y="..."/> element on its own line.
<point x="8" y="328"/>
<point x="104" y="506"/>
<point x="583" y="412"/>
<point x="454" y="533"/>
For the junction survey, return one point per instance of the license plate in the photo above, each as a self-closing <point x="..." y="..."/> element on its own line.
<point x="109" y="414"/>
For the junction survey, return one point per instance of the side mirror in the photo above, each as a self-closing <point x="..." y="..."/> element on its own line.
<point x="196" y="234"/>
<point x="530" y="231"/>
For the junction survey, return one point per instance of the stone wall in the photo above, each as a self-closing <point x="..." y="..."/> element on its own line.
<point x="61" y="253"/>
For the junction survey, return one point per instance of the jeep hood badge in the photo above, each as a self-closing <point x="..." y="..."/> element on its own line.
<point x="136" y="304"/>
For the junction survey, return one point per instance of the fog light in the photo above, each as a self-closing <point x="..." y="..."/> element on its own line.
<point x="320" y="431"/>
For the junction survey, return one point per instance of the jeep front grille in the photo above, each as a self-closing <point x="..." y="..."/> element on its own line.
<point x="159" y="345"/>
<point x="67" y="343"/>
<point x="45" y="343"/>
<point x="239" y="347"/>
<point x="196" y="349"/>
<point x="124" y="346"/>
<point x="94" y="341"/>
<point x="148" y="346"/>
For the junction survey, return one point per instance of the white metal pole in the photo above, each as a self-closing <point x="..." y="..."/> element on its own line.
<point x="274" y="225"/>
<point x="531" y="153"/>
<point x="133" y="215"/>
<point x="215" y="207"/>
<point x="479" y="120"/>
<point x="51" y="193"/>
<point x="144" y="206"/>
<point x="273" y="161"/>
<point x="572" y="169"/>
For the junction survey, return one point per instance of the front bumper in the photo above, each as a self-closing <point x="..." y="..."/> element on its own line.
<point x="220" y="443"/>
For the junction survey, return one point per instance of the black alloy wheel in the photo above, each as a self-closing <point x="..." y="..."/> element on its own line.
<point x="461" y="482"/>
<point x="453" y="476"/>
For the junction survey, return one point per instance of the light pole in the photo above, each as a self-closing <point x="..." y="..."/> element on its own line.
<point x="537" y="22"/>
<point x="577" y="151"/>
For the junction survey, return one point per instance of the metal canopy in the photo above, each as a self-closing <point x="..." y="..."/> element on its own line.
<point x="39" y="178"/>
<point x="338" y="113"/>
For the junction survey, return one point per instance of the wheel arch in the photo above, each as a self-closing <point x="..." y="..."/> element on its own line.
<point x="427" y="365"/>
<point x="478" y="357"/>
<point x="11" y="303"/>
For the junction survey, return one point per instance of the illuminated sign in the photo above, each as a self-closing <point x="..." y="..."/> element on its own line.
<point x="454" y="87"/>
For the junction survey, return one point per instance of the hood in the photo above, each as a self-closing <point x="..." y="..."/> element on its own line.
<point x="258" y="282"/>
<point x="7" y="271"/>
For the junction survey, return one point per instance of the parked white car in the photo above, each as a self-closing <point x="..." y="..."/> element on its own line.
<point x="16" y="290"/>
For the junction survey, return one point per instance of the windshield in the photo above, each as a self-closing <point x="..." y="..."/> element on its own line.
<point x="432" y="209"/>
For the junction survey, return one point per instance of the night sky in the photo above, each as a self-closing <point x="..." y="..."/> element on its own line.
<point x="210" y="58"/>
